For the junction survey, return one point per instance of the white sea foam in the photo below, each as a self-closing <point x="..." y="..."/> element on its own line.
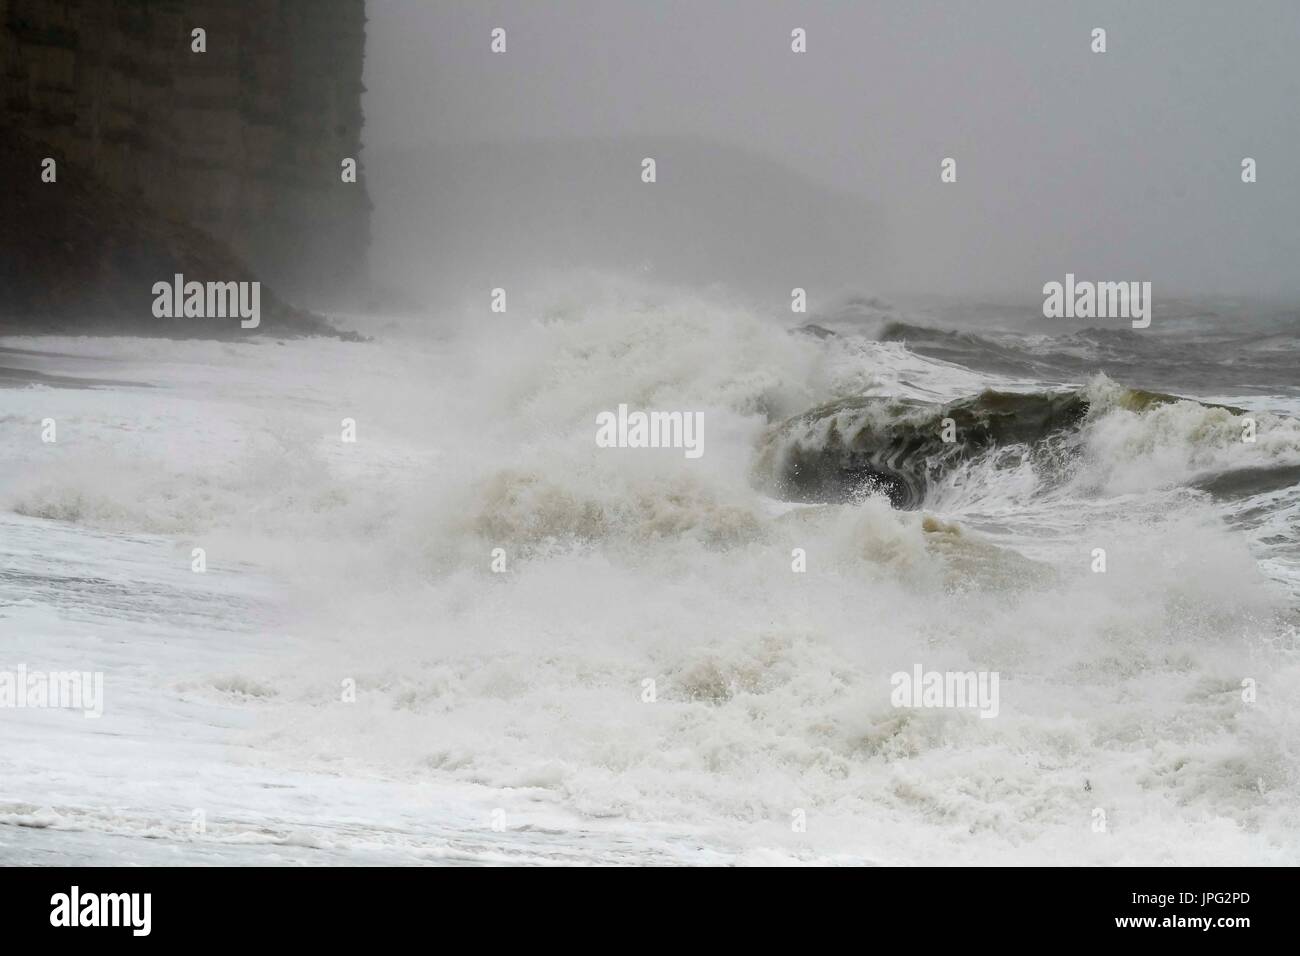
<point x="1119" y="690"/>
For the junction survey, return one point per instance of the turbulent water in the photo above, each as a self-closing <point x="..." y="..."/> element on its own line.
<point x="503" y="716"/>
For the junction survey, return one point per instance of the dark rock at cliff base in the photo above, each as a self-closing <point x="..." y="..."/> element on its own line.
<point x="76" y="257"/>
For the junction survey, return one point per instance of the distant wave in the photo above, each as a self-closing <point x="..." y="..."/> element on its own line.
<point x="1179" y="357"/>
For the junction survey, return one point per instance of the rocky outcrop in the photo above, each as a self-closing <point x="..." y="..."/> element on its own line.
<point x="221" y="165"/>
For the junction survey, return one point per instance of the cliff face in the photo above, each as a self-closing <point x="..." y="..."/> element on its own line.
<point x="242" y="143"/>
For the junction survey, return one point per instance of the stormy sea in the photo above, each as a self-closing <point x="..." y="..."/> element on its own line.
<point x="389" y="601"/>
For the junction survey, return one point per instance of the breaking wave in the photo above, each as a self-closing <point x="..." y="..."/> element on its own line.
<point x="1099" y="439"/>
<point x="633" y="565"/>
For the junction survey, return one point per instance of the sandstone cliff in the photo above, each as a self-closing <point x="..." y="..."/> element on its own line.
<point x="223" y="165"/>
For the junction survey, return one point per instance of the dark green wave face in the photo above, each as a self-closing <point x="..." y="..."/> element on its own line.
<point x="1247" y="482"/>
<point x="894" y="446"/>
<point x="861" y="445"/>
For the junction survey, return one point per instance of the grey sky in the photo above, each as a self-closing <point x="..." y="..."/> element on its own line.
<point x="1123" y="165"/>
